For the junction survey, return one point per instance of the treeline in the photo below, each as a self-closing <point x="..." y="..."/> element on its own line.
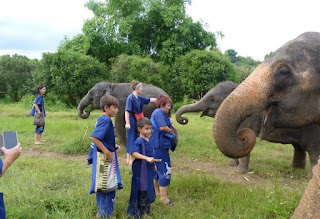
<point x="152" y="41"/>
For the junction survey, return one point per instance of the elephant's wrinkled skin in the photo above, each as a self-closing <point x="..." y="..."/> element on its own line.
<point x="304" y="140"/>
<point x="287" y="87"/>
<point x="121" y="91"/>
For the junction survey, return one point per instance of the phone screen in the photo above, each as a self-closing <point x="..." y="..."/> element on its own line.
<point x="9" y="140"/>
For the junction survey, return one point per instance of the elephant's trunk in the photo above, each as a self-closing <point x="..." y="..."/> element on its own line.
<point x="83" y="103"/>
<point x="195" y="107"/>
<point x="249" y="97"/>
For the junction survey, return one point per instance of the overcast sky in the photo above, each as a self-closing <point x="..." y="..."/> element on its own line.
<point x="252" y="28"/>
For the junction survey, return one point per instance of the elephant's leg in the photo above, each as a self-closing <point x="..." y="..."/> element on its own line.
<point x="120" y="130"/>
<point x="314" y="153"/>
<point x="299" y="157"/>
<point x="243" y="166"/>
<point x="233" y="162"/>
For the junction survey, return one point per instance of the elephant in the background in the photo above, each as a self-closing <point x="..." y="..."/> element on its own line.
<point x="304" y="140"/>
<point x="121" y="91"/>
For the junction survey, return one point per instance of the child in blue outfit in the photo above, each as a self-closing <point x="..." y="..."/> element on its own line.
<point x="103" y="140"/>
<point x="143" y="170"/>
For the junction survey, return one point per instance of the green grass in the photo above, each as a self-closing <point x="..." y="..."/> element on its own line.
<point x="39" y="186"/>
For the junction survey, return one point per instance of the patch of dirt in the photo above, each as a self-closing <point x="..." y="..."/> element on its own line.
<point x="225" y="173"/>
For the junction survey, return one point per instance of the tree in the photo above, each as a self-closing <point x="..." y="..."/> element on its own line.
<point x="15" y="76"/>
<point x="158" y="28"/>
<point x="200" y="70"/>
<point x="69" y="75"/>
<point x="127" y="68"/>
<point x="232" y="55"/>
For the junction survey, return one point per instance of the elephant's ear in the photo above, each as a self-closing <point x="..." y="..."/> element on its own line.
<point x="106" y="91"/>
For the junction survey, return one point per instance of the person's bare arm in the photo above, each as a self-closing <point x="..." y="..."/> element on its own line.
<point x="142" y="157"/>
<point x="165" y="129"/>
<point x="10" y="155"/>
<point x="153" y="100"/>
<point x="126" y="117"/>
<point x="37" y="108"/>
<point x="99" y="144"/>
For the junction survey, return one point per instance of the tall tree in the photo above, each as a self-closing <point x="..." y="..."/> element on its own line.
<point x="15" y="76"/>
<point x="159" y="28"/>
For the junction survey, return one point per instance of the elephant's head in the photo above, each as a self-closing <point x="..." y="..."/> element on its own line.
<point x="93" y="98"/>
<point x="209" y="103"/>
<point x="286" y="87"/>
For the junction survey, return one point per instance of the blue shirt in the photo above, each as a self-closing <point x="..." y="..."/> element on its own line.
<point x="40" y="102"/>
<point x="135" y="105"/>
<point x="104" y="131"/>
<point x="158" y="139"/>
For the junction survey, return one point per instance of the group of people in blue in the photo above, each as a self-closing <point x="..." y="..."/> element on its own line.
<point x="147" y="151"/>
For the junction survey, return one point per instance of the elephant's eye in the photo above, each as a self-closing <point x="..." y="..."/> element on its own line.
<point x="283" y="77"/>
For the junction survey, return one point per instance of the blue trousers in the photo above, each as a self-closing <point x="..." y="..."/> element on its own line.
<point x="2" y="208"/>
<point x="105" y="203"/>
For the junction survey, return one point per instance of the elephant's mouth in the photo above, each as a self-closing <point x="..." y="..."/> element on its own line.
<point x="265" y="118"/>
<point x="209" y="112"/>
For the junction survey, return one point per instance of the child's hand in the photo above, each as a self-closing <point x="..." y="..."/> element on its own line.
<point x="118" y="147"/>
<point x="108" y="156"/>
<point x="150" y="159"/>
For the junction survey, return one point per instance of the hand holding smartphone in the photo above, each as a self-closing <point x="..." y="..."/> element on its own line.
<point x="8" y="140"/>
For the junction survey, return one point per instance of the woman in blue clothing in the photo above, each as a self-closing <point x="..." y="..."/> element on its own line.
<point x="38" y="105"/>
<point x="142" y="189"/>
<point x="161" y="143"/>
<point x="10" y="155"/>
<point x="133" y="111"/>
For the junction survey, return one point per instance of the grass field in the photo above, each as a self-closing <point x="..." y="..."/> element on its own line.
<point x="53" y="180"/>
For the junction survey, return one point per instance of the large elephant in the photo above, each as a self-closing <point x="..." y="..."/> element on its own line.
<point x="287" y="88"/>
<point x="121" y="91"/>
<point x="306" y="139"/>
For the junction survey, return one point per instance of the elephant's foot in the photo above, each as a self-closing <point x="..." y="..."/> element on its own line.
<point x="233" y="162"/>
<point x="242" y="169"/>
<point x="298" y="165"/>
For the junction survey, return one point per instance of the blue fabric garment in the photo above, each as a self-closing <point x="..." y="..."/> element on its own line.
<point x="134" y="105"/>
<point x="2" y="208"/>
<point x="105" y="203"/>
<point x="40" y="102"/>
<point x="39" y="129"/>
<point x="160" y="139"/>
<point x="104" y="131"/>
<point x="164" y="167"/>
<point x="136" y="208"/>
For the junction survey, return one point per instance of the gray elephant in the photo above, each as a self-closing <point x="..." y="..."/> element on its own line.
<point x="121" y="91"/>
<point x="304" y="140"/>
<point x="287" y="88"/>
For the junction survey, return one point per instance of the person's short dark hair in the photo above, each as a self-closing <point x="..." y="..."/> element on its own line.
<point x="39" y="88"/>
<point x="134" y="84"/>
<point x="108" y="100"/>
<point x="162" y="100"/>
<point x="143" y="121"/>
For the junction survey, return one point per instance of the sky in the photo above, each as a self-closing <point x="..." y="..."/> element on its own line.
<point x="250" y="27"/>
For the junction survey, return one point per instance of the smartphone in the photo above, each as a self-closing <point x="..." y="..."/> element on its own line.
<point x="8" y="140"/>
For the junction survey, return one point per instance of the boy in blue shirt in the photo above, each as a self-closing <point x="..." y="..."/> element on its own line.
<point x="143" y="170"/>
<point x="103" y="140"/>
